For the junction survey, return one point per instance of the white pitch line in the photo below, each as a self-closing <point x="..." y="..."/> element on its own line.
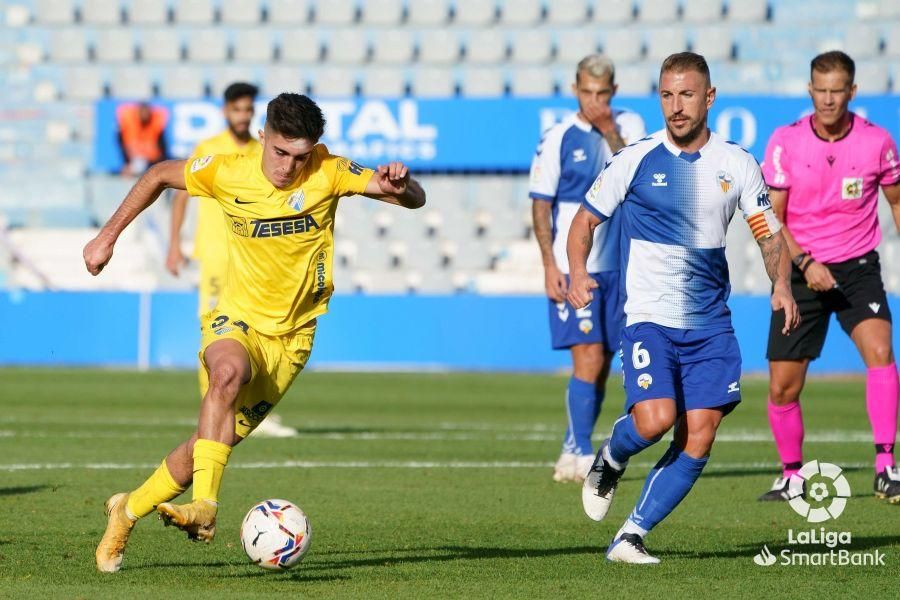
<point x="301" y="464"/>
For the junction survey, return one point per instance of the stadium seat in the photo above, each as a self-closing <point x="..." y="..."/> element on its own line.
<point x="747" y="11"/>
<point x="521" y="13"/>
<point x="574" y="44"/>
<point x="193" y="12"/>
<point x="101" y="12"/>
<point x="287" y="12"/>
<point x="567" y="12"/>
<point x="486" y="46"/>
<point x="872" y="77"/>
<point x="83" y="83"/>
<point x="702" y="11"/>
<point x="114" y="45"/>
<point x="474" y="13"/>
<point x="888" y="9"/>
<point x="277" y="79"/>
<point x="622" y="45"/>
<point x="384" y="82"/>
<point x="532" y="81"/>
<point x="240" y="12"/>
<point x="17" y="15"/>
<point x="433" y="82"/>
<point x="612" y="12"/>
<point x="393" y="47"/>
<point x="131" y="83"/>
<point x="54" y="12"/>
<point x="141" y="12"/>
<point x="530" y="46"/>
<point x="483" y="82"/>
<point x="861" y="40"/>
<point x="223" y="76"/>
<point x="382" y="12"/>
<point x="207" y="45"/>
<point x="254" y="45"/>
<point x="830" y="11"/>
<point x="347" y="46"/>
<point x="160" y="45"/>
<point x="69" y="45"/>
<point x="892" y="40"/>
<point x="335" y="12"/>
<point x="182" y="82"/>
<point x="665" y="41"/>
<point x="427" y="13"/>
<point x="637" y="79"/>
<point x="714" y="42"/>
<point x="300" y="46"/>
<point x="438" y="46"/>
<point x="658" y="12"/>
<point x="334" y="82"/>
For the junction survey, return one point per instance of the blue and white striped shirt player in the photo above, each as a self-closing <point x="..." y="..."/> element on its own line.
<point x="674" y="213"/>
<point x="567" y="160"/>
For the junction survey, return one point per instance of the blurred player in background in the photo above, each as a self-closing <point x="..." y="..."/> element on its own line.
<point x="676" y="192"/>
<point x="567" y="160"/>
<point x="824" y="172"/>
<point x="280" y="206"/>
<point x="210" y="238"/>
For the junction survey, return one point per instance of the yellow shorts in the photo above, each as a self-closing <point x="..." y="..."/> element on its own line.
<point x="274" y="361"/>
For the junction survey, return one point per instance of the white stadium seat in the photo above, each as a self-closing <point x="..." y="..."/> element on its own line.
<point x="427" y="12"/>
<point x="622" y="45"/>
<point x="532" y="81"/>
<point x="161" y="45"/>
<point x="530" y="46"/>
<point x="287" y="12"/>
<point x="438" y="46"/>
<point x="141" y="12"/>
<point x="347" y="46"/>
<point x="658" y="11"/>
<point x="277" y="79"/>
<point x="193" y="12"/>
<point x="182" y="82"/>
<point x="114" y="45"/>
<point x="574" y="44"/>
<point x="475" y="13"/>
<point x="521" y="12"/>
<point x="254" y="45"/>
<point x="54" y="12"/>
<point x="383" y="82"/>
<point x="747" y="11"/>
<point x="433" y="82"/>
<point x="613" y="12"/>
<point x="101" y="12"/>
<point x="207" y="45"/>
<point x="69" y="45"/>
<point x="485" y="82"/>
<point x="701" y="11"/>
<point x="486" y="46"/>
<point x="382" y="12"/>
<point x="567" y="12"/>
<point x="335" y="12"/>
<point x="665" y="41"/>
<point x="299" y="45"/>
<point x="131" y="83"/>
<point x="393" y="47"/>
<point x="240" y="12"/>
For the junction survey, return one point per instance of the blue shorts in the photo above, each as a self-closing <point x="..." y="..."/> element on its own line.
<point x="600" y="322"/>
<point x="697" y="368"/>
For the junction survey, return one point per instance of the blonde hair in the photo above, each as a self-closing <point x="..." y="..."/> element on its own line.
<point x="596" y="65"/>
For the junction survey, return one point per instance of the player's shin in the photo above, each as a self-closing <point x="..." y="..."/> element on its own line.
<point x="210" y="458"/>
<point x="582" y="406"/>
<point x="158" y="488"/>
<point x="786" y="422"/>
<point x="666" y="486"/>
<point x="624" y="442"/>
<point x="881" y="403"/>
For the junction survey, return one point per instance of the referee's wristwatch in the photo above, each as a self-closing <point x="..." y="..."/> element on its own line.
<point x="798" y="260"/>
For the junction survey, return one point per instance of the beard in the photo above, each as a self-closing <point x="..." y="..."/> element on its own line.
<point x="242" y="134"/>
<point x="687" y="138"/>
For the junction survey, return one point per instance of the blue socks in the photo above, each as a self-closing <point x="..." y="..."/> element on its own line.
<point x="666" y="485"/>
<point x="583" y="400"/>
<point x="625" y="441"/>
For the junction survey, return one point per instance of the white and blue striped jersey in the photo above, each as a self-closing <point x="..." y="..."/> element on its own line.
<point x="673" y="210"/>
<point x="567" y="160"/>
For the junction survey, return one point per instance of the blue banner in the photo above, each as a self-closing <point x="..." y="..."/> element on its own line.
<point x="468" y="135"/>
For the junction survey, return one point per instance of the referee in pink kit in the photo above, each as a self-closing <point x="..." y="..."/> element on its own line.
<point x="823" y="173"/>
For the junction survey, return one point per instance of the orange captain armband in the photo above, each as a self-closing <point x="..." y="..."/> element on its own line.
<point x="764" y="224"/>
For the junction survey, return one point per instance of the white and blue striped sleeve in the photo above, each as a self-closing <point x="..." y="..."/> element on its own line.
<point x="545" y="166"/>
<point x="610" y="188"/>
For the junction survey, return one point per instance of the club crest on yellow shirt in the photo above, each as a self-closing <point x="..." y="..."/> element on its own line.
<point x="296" y="200"/>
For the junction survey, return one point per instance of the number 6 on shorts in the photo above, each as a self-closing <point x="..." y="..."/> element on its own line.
<point x="640" y="357"/>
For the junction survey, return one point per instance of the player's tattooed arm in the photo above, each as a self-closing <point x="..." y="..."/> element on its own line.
<point x="614" y="139"/>
<point x="167" y="174"/>
<point x="778" y="268"/>
<point x="578" y="247"/>
<point x="554" y="279"/>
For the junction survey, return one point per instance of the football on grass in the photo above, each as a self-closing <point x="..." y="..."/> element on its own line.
<point x="276" y="534"/>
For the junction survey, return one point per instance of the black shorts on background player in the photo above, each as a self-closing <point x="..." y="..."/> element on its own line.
<point x="859" y="296"/>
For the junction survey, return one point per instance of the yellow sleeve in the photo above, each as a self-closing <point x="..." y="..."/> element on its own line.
<point x="347" y="177"/>
<point x="200" y="174"/>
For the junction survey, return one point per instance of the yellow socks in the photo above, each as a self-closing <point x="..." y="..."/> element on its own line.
<point x="159" y="487"/>
<point x="210" y="459"/>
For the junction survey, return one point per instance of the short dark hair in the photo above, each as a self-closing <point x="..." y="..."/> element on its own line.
<point x="239" y="90"/>
<point x="835" y="60"/>
<point x="295" y="116"/>
<point x="686" y="61"/>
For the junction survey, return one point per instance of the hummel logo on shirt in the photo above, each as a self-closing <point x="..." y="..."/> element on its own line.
<point x="660" y="180"/>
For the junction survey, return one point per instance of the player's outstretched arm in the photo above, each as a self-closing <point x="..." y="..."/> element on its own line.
<point x="167" y="174"/>
<point x="778" y="268"/>
<point x="393" y="184"/>
<point x="578" y="247"/>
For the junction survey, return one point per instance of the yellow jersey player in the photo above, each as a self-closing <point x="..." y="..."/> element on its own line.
<point x="210" y="237"/>
<point x="279" y="210"/>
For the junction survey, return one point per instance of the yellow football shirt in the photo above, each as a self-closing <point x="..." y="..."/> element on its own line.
<point x="280" y="241"/>
<point x="210" y="235"/>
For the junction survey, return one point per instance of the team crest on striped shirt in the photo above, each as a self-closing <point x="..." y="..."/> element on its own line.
<point x="296" y="200"/>
<point x="725" y="180"/>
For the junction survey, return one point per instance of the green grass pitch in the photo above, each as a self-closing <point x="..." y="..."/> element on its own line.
<point x="431" y="485"/>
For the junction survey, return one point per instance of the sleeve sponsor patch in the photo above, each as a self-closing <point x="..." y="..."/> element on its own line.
<point x="200" y="163"/>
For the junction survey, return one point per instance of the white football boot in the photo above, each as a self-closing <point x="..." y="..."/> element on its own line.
<point x="271" y="427"/>
<point x="566" y="467"/>
<point x="629" y="548"/>
<point x="600" y="486"/>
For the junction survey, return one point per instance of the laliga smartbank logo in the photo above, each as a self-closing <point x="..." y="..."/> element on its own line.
<point x="818" y="493"/>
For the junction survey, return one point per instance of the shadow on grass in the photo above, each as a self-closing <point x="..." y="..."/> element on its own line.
<point x="23" y="489"/>
<point x="870" y="542"/>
